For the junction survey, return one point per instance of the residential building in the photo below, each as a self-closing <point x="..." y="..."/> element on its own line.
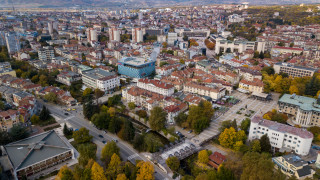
<point x="46" y="53"/>
<point x="100" y="79"/>
<point x="12" y="42"/>
<point x="5" y="68"/>
<point x="249" y="74"/>
<point x="172" y="38"/>
<point x="68" y="77"/>
<point x="204" y="65"/>
<point x="156" y="86"/>
<point x="92" y="34"/>
<point x="114" y="34"/>
<point x="235" y="18"/>
<point x="216" y="159"/>
<point x="282" y="137"/>
<point x="213" y="92"/>
<point x="52" y="25"/>
<point x="8" y="119"/>
<point x="276" y="50"/>
<point x="303" y="111"/>
<point x="36" y="154"/>
<point x="136" y="67"/>
<point x="251" y="86"/>
<point x="293" y="165"/>
<point x="224" y="45"/>
<point x="293" y="71"/>
<point x="137" y="35"/>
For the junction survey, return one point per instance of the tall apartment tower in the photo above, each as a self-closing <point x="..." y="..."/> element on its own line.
<point x="137" y="35"/>
<point x="92" y="34"/>
<point x="114" y="34"/>
<point x="12" y="42"/>
<point x="52" y="25"/>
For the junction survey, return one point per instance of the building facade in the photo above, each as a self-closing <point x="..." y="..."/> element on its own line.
<point x="282" y="137"/>
<point x="137" y="35"/>
<point x="114" y="34"/>
<point x="12" y="42"/>
<point x="303" y="111"/>
<point x="68" y="77"/>
<point x="156" y="86"/>
<point x="293" y="71"/>
<point x="136" y="67"/>
<point x="46" y="53"/>
<point x="222" y="45"/>
<point x="251" y="86"/>
<point x="215" y="93"/>
<point x="100" y="79"/>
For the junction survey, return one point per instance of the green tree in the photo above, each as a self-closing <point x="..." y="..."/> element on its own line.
<point x="89" y="108"/>
<point x="108" y="150"/>
<point x="255" y="146"/>
<point x="131" y="105"/>
<point x="173" y="163"/>
<point x="127" y="132"/>
<point x="87" y="92"/>
<point x="199" y="116"/>
<point x="35" y="119"/>
<point x="87" y="151"/>
<point x="101" y="120"/>
<point x="98" y="93"/>
<point x="114" y="125"/>
<point x="5" y="138"/>
<point x="181" y="118"/>
<point x="245" y="125"/>
<point x="51" y="97"/>
<point x="265" y="143"/>
<point x="203" y="157"/>
<point x="82" y="136"/>
<point x="44" y="114"/>
<point x="66" y="131"/>
<point x="18" y="132"/>
<point x="261" y="55"/>
<point x="65" y="173"/>
<point x="157" y="119"/>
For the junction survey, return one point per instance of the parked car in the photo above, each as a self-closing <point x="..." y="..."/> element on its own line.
<point x="66" y="114"/>
<point x="115" y="140"/>
<point x="100" y="136"/>
<point x="190" y="131"/>
<point x="104" y="142"/>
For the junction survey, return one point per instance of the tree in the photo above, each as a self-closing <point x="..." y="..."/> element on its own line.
<point x="225" y="174"/>
<point x="18" y="132"/>
<point x="291" y="44"/>
<point x="145" y="171"/>
<point x="51" y="97"/>
<point x="127" y="131"/>
<point x="255" y="146"/>
<point x="82" y="136"/>
<point x="131" y="105"/>
<point x="97" y="172"/>
<point x="65" y="173"/>
<point x="87" y="151"/>
<point x="142" y="114"/>
<point x="245" y="125"/>
<point x="87" y="92"/>
<point x="173" y="163"/>
<point x="44" y="114"/>
<point x="261" y="55"/>
<point x="108" y="150"/>
<point x="114" y="125"/>
<point x="157" y="118"/>
<point x="122" y="177"/>
<point x="203" y="157"/>
<point x="98" y="93"/>
<point x="199" y="116"/>
<point x="66" y="131"/>
<point x="101" y="120"/>
<point x="113" y="166"/>
<point x="256" y="54"/>
<point x="229" y="137"/>
<point x="202" y="176"/>
<point x="181" y="118"/>
<point x="88" y="108"/>
<point x="35" y="119"/>
<point x="165" y="44"/>
<point x="5" y="138"/>
<point x="265" y="143"/>
<point x="43" y="80"/>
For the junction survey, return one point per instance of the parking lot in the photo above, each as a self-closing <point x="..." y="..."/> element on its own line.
<point x="246" y="108"/>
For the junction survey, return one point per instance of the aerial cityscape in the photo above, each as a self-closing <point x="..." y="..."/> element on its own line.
<point x="159" y="90"/>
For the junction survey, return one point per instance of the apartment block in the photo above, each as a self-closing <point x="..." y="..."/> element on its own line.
<point x="282" y="137"/>
<point x="222" y="45"/>
<point x="293" y="71"/>
<point x="156" y="86"/>
<point x="213" y="92"/>
<point x="46" y="53"/>
<point x="68" y="77"/>
<point x="100" y="79"/>
<point x="251" y="86"/>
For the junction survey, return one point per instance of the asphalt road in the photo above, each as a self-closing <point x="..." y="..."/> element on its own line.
<point x="76" y="120"/>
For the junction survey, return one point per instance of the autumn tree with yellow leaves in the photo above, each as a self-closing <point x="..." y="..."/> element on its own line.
<point x="145" y="171"/>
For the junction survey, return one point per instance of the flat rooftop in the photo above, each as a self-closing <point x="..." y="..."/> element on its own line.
<point x="135" y="61"/>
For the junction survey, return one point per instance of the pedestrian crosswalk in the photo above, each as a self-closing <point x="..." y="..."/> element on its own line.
<point x="132" y="156"/>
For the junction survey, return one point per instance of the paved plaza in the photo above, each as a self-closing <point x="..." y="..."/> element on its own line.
<point x="238" y="112"/>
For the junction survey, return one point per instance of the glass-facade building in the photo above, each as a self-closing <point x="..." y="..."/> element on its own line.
<point x="136" y="67"/>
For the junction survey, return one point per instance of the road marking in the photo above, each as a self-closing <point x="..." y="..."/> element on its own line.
<point x="133" y="156"/>
<point x="69" y="118"/>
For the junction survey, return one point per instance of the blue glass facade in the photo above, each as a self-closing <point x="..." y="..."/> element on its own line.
<point x="134" y="70"/>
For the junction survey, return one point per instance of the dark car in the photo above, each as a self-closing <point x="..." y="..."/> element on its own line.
<point x="104" y="142"/>
<point x="100" y="136"/>
<point x="66" y="114"/>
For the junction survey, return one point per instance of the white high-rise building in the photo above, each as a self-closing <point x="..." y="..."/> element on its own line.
<point x="52" y="25"/>
<point x="92" y="34"/>
<point x="172" y="37"/>
<point x="46" y="53"/>
<point x="137" y="35"/>
<point x="114" y="34"/>
<point x="13" y="42"/>
<point x="282" y="137"/>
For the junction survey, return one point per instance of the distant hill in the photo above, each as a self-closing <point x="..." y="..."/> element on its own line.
<point x="136" y="3"/>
